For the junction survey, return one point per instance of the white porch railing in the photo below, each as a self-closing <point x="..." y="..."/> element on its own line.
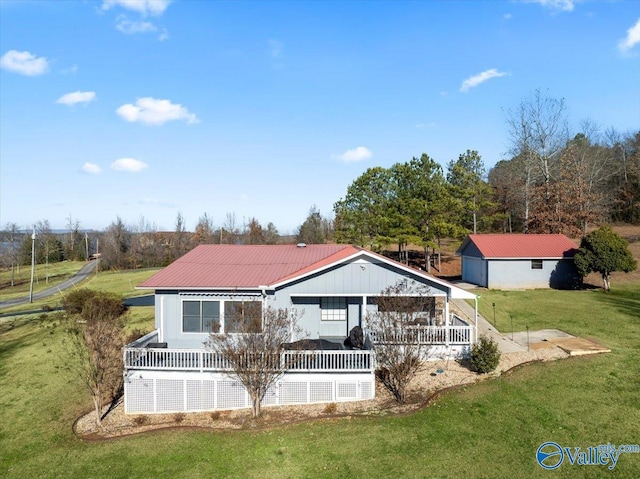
<point x="459" y="333"/>
<point x="202" y="360"/>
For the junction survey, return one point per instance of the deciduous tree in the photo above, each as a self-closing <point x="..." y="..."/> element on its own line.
<point x="604" y="251"/>
<point x="400" y="349"/>
<point x="94" y="327"/>
<point x="255" y="350"/>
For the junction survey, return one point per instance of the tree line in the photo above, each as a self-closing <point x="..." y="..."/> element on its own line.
<point x="555" y="181"/>
<point x="143" y="245"/>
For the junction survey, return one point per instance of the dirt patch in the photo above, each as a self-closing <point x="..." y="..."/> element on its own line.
<point x="435" y="377"/>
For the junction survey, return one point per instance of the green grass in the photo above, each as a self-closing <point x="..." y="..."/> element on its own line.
<point x="56" y="273"/>
<point x="491" y="429"/>
<point x="120" y="282"/>
<point x="587" y="313"/>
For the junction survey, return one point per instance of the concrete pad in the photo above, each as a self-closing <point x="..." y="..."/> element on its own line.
<point x="579" y="346"/>
<point x="537" y="336"/>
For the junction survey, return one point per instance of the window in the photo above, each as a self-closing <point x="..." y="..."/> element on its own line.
<point x="333" y="309"/>
<point x="536" y="264"/>
<point x="242" y="316"/>
<point x="200" y="316"/>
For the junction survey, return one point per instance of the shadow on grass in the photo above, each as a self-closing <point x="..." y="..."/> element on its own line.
<point x="625" y="301"/>
<point x="9" y="347"/>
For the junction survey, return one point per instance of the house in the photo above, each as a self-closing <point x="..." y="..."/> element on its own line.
<point x="334" y="287"/>
<point x="507" y="261"/>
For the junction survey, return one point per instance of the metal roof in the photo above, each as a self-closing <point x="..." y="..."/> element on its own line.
<point x="245" y="266"/>
<point x="520" y="246"/>
<point x="251" y="267"/>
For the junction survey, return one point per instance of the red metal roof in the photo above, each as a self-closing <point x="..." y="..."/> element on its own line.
<point x="522" y="245"/>
<point x="245" y="266"/>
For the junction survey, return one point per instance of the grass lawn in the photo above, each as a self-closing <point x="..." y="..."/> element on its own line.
<point x="491" y="429"/>
<point x="45" y="276"/>
<point x="120" y="282"/>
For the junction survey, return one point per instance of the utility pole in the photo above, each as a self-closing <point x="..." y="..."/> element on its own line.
<point x="33" y="262"/>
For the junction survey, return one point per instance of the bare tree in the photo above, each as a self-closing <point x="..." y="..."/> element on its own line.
<point x="400" y="340"/>
<point x="203" y="233"/>
<point x="271" y="235"/>
<point x="539" y="131"/>
<point x="254" y="232"/>
<point x="229" y="231"/>
<point x="254" y="350"/>
<point x="11" y="236"/>
<point x="115" y="246"/>
<point x="180" y="242"/>
<point x="94" y="327"/>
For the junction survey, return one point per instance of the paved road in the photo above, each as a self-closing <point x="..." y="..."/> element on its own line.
<point x="81" y="275"/>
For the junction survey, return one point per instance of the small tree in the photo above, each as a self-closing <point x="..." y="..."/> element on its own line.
<point x="604" y="251"/>
<point x="398" y="344"/>
<point x="94" y="340"/>
<point x="255" y="350"/>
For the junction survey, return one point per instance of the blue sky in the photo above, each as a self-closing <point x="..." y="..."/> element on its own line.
<point x="143" y="109"/>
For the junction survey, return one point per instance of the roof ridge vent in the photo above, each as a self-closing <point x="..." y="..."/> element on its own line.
<point x="301" y="245"/>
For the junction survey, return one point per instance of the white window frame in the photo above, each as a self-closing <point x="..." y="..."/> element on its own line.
<point x="333" y="308"/>
<point x="194" y="300"/>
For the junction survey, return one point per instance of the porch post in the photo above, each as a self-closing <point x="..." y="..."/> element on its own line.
<point x="446" y="321"/>
<point x="363" y="311"/>
<point x="475" y="319"/>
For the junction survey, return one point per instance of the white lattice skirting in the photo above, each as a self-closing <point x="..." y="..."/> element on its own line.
<point x="168" y="392"/>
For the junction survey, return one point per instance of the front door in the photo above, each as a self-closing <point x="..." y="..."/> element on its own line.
<point x="334" y="316"/>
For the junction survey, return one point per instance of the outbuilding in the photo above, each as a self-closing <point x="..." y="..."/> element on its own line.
<point x="519" y="261"/>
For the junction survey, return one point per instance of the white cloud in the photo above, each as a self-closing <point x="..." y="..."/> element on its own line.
<point x="24" y="63"/>
<point x="143" y="7"/>
<point x="276" y="49"/>
<point x="475" y="80"/>
<point x="152" y="111"/>
<point x="91" y="169"/>
<point x="357" y="154"/>
<point x="561" y="5"/>
<point x="76" y="97"/>
<point x="71" y="70"/>
<point x="130" y="27"/>
<point x="632" y="38"/>
<point x="128" y="164"/>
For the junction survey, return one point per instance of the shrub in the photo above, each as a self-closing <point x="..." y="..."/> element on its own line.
<point x="178" y="417"/>
<point x="485" y="355"/>
<point x="140" y="420"/>
<point x="330" y="408"/>
<point x="74" y="301"/>
<point x="214" y="415"/>
<point x="133" y="335"/>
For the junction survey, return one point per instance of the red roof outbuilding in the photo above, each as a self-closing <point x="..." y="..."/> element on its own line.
<point x="521" y="246"/>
